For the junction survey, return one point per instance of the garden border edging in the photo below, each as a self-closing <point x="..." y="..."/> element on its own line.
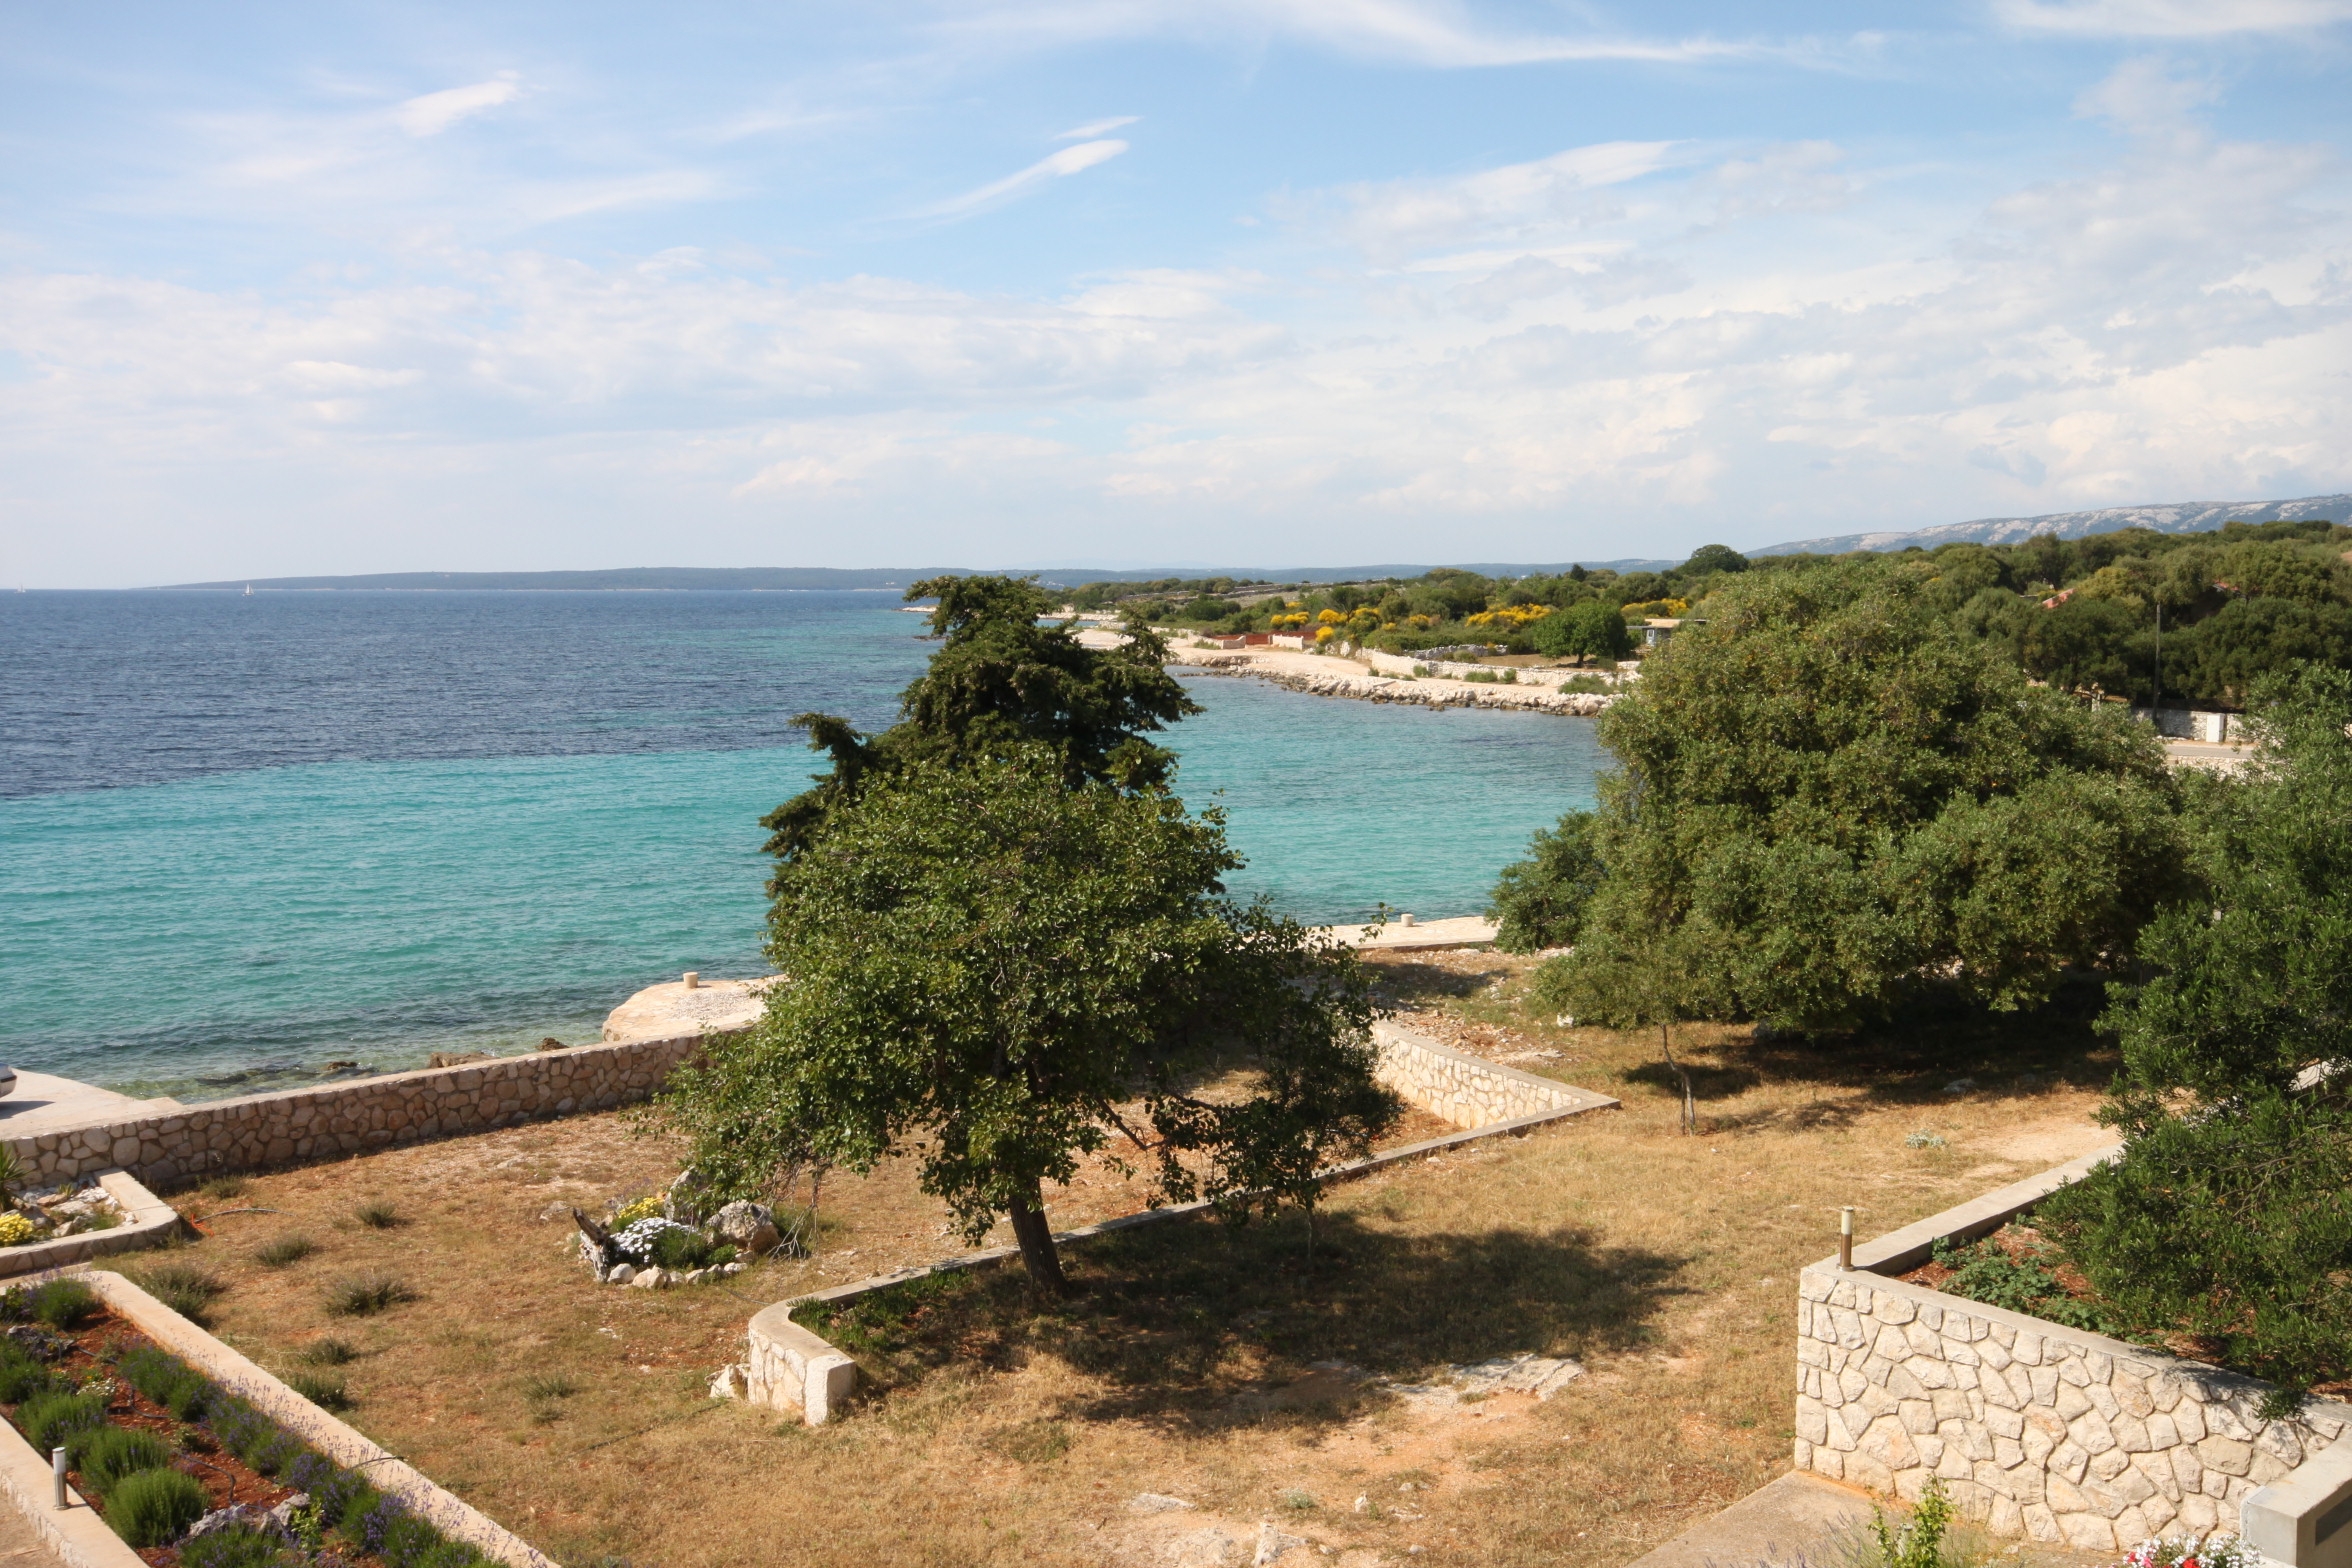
<point x="2041" y="1430"/>
<point x="75" y="1533"/>
<point x="802" y="1371"/>
<point x="148" y="1221"/>
<point x="387" y="1471"/>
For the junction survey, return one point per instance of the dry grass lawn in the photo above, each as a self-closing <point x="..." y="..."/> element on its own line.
<point x="1004" y="1430"/>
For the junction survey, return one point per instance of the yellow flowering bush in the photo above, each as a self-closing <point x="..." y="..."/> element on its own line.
<point x="645" y="1208"/>
<point x="1511" y="616"/>
<point x="15" y="1229"/>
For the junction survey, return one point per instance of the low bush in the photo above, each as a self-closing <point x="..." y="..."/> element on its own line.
<point x="49" y="1420"/>
<point x="155" y="1507"/>
<point x="330" y="1352"/>
<point x="114" y="1453"/>
<point x="286" y="1249"/>
<point x="236" y="1547"/>
<point x="166" y="1379"/>
<point x="377" y="1214"/>
<point x="187" y="1288"/>
<point x="223" y="1188"/>
<point x="62" y="1304"/>
<point x="687" y="1249"/>
<point x="2014" y="1270"/>
<point x="22" y="1375"/>
<point x="365" y="1294"/>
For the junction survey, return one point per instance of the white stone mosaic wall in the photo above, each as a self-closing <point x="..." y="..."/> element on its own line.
<point x="1467" y="1090"/>
<point x="2039" y="1430"/>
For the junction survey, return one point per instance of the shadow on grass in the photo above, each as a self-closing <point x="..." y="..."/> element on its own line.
<point x="1918" y="1058"/>
<point x="1197" y="1323"/>
<point x="1411" y="982"/>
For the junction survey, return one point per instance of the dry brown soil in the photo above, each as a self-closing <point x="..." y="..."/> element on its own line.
<point x="1007" y="1431"/>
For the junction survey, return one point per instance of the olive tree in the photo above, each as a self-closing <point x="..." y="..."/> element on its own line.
<point x="1828" y="800"/>
<point x="998" y="973"/>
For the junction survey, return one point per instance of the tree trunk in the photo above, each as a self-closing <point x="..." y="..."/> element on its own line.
<point x="1690" y="1102"/>
<point x="1037" y="1244"/>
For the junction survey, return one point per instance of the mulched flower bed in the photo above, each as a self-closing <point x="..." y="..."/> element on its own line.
<point x="240" y="1458"/>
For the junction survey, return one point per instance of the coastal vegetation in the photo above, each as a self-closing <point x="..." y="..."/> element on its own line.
<point x="2197" y="617"/>
<point x="1835" y="809"/>
<point x="1831" y="805"/>
<point x="2226" y="1219"/>
<point x="1005" y="942"/>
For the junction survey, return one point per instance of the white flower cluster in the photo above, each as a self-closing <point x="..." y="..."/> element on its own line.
<point x="2187" y="1551"/>
<point x="636" y="1239"/>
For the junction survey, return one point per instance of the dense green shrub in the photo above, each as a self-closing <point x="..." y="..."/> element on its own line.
<point x="2229" y="1214"/>
<point x="155" y="1507"/>
<point x="1591" y="630"/>
<point x="166" y="1379"/>
<point x="113" y="1453"/>
<point x="22" y="1374"/>
<point x="1539" y="902"/>
<point x="62" y="1304"/>
<point x="689" y="1249"/>
<point x="1829" y="803"/>
<point x="49" y="1420"/>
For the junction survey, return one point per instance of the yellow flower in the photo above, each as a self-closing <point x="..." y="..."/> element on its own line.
<point x="15" y="1229"/>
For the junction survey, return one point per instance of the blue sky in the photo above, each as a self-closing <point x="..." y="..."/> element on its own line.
<point x="297" y="289"/>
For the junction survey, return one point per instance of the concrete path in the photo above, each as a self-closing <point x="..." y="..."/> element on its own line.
<point x="1784" y="1523"/>
<point x="40" y="1102"/>
<point x="20" y="1546"/>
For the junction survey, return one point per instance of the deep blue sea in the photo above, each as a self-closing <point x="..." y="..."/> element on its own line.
<point x="242" y="837"/>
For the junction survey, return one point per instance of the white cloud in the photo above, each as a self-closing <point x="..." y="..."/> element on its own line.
<point x="1060" y="165"/>
<point x="1549" y="353"/>
<point x="2144" y="97"/>
<point x="2170" y="18"/>
<point x="1438" y="35"/>
<point x="434" y="113"/>
<point x="1096" y="128"/>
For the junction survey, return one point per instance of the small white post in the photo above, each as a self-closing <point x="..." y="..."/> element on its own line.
<point x="57" y="1466"/>
<point x="1846" y="1239"/>
<point x="693" y="979"/>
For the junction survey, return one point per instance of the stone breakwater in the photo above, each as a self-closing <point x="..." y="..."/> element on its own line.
<point x="1425" y="693"/>
<point x="331" y="1120"/>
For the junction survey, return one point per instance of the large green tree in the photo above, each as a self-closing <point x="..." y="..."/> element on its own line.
<point x="999" y="972"/>
<point x="1002" y="678"/>
<point x="2229" y="1215"/>
<point x="1829" y="800"/>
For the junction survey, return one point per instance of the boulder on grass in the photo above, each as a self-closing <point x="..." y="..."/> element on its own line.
<point x="750" y="1228"/>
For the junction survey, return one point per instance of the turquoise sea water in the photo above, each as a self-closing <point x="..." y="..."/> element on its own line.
<point x="536" y="846"/>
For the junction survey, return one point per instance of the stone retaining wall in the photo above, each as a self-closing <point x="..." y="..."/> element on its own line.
<point x="353" y="1117"/>
<point x="1466" y="1090"/>
<point x="2037" y="1429"/>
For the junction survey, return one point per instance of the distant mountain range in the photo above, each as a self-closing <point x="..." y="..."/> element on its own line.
<point x="2177" y="517"/>
<point x="674" y="578"/>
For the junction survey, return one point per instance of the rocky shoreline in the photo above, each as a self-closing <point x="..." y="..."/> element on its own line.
<point x="1430" y="693"/>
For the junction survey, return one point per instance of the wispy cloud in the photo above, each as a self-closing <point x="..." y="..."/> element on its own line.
<point x="2171" y="18"/>
<point x="1096" y="128"/>
<point x="434" y="113"/>
<point x="1438" y="35"/>
<point x="1055" y="166"/>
